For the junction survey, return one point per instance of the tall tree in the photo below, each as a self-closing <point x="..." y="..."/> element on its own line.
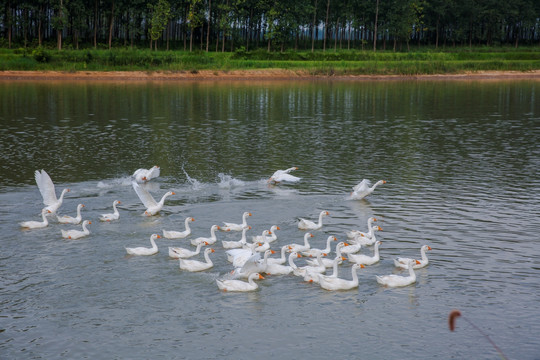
<point x="160" y="16"/>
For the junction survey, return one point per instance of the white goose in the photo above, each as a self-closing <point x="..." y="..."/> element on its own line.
<point x="312" y="272"/>
<point x="281" y="260"/>
<point x="364" y="259"/>
<point x="144" y="251"/>
<point x="69" y="219"/>
<point x="314" y="252"/>
<point x="329" y="262"/>
<point x="353" y="247"/>
<point x="77" y="234"/>
<point x="265" y="245"/>
<point x="252" y="265"/>
<point x="402" y="262"/>
<point x="337" y="260"/>
<point x="236" y="227"/>
<point x="364" y="188"/>
<point x="115" y="215"/>
<point x="364" y="240"/>
<point x="353" y="233"/>
<point x="397" y="280"/>
<point x="279" y="269"/>
<point x="261" y="238"/>
<point x="295" y="269"/>
<point x="283" y="175"/>
<point x="179" y="234"/>
<point x="196" y="265"/>
<point x="238" y="257"/>
<point x="239" y="285"/>
<point x="210" y="240"/>
<point x="37" y="224"/>
<point x="152" y="207"/>
<point x="304" y="224"/>
<point x="270" y="239"/>
<point x="299" y="247"/>
<point x="237" y="244"/>
<point x="46" y="188"/>
<point x="145" y="175"/>
<point x="329" y="283"/>
<point x="178" y="252"/>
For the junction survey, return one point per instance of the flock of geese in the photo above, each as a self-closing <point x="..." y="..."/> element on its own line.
<point x="249" y="259"/>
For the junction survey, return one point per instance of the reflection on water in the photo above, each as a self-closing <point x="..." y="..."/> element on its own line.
<point x="461" y="161"/>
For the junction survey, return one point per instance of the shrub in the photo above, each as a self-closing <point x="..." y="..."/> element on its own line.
<point x="40" y="55"/>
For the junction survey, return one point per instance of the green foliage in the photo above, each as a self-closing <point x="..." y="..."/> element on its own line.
<point x="41" y="55"/>
<point x="322" y="63"/>
<point x="161" y="13"/>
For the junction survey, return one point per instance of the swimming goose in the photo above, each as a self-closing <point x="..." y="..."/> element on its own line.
<point x="304" y="224"/>
<point x="144" y="251"/>
<point x="364" y="259"/>
<point x="239" y="285"/>
<point x="210" y="240"/>
<point x="299" y="247"/>
<point x="314" y="252"/>
<point x="37" y="224"/>
<point x="115" y="215"/>
<point x="402" y="262"/>
<point x="353" y="233"/>
<point x="329" y="283"/>
<point x="329" y="262"/>
<point x="236" y="227"/>
<point x="397" y="280"/>
<point x="179" y="234"/>
<point x="178" y="252"/>
<point x="196" y="265"/>
<point x="77" y="234"/>
<point x="236" y="244"/>
<point x="66" y="219"/>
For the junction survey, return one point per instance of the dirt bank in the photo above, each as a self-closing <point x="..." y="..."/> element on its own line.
<point x="263" y="74"/>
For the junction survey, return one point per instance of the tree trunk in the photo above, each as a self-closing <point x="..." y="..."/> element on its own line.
<point x="59" y="31"/>
<point x="375" y="28"/>
<point x="336" y="34"/>
<point x="39" y="24"/>
<point x="191" y="39"/>
<point x="111" y="21"/>
<point x="202" y="35"/>
<point x="96" y="2"/>
<point x="313" y="27"/>
<point x="168" y="34"/>
<point x="326" y="24"/>
<point x="437" y="33"/>
<point x="349" y="39"/>
<point x="208" y="27"/>
<point x="8" y="21"/>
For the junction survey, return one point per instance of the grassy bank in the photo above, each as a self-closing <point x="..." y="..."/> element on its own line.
<point x="344" y="62"/>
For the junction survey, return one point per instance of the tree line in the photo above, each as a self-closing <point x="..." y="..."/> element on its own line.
<point x="275" y="25"/>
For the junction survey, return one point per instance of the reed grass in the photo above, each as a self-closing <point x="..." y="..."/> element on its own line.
<point x="345" y="62"/>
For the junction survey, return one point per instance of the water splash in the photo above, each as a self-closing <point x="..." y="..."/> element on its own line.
<point x="228" y="182"/>
<point x="195" y="184"/>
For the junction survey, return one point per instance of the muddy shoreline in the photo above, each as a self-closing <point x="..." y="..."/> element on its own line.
<point x="263" y="74"/>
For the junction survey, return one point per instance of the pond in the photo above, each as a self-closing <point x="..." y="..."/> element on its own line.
<point x="461" y="162"/>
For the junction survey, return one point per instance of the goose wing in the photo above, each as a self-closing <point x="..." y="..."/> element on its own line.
<point x="46" y="187"/>
<point x="144" y="195"/>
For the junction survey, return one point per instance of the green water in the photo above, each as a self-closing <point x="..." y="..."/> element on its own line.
<point x="461" y="159"/>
